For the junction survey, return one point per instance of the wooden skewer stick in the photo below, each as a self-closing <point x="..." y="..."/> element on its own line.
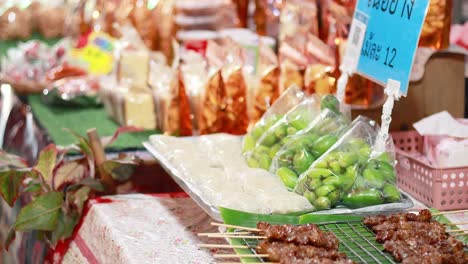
<point x="249" y="262"/>
<point x="450" y="212"/>
<point x="234" y="236"/>
<point x="237" y="227"/>
<point x="454" y="224"/>
<point x="241" y="256"/>
<point x="225" y="233"/>
<point x="462" y="234"/>
<point x="456" y="230"/>
<point x="222" y="246"/>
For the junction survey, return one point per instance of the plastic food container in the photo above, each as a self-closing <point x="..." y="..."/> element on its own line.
<point x="444" y="189"/>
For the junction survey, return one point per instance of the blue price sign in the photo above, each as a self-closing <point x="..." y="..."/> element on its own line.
<point x="386" y="33"/>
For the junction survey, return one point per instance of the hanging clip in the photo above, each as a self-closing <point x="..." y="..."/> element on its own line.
<point x="392" y="90"/>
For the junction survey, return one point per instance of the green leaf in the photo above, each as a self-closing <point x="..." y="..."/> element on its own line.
<point x="10" y="161"/>
<point x="83" y="144"/>
<point x="80" y="197"/>
<point x="46" y="162"/>
<point x="33" y="187"/>
<point x="10" y="182"/>
<point x="40" y="214"/>
<point x="10" y="237"/>
<point x="69" y="172"/>
<point x="120" y="170"/>
<point x="65" y="225"/>
<point x="92" y="183"/>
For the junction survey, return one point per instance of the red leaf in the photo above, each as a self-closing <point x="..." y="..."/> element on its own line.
<point x="106" y="141"/>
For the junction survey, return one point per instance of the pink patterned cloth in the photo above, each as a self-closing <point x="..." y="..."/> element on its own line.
<point x="139" y="228"/>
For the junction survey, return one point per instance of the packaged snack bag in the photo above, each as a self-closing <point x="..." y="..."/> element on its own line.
<point x="235" y="86"/>
<point x="15" y="22"/>
<point x="298" y="17"/>
<point x="436" y="29"/>
<point x="266" y="17"/>
<point x="267" y="89"/>
<point x="347" y="175"/>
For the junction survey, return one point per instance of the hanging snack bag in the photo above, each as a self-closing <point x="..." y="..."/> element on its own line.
<point x="293" y="122"/>
<point x="172" y="103"/>
<point x="194" y="77"/>
<point x="319" y="74"/>
<point x="436" y="29"/>
<point x="288" y="100"/>
<point x="235" y="86"/>
<point x="298" y="17"/>
<point x="50" y="19"/>
<point x="213" y="106"/>
<point x="266" y="17"/>
<point x="267" y="90"/>
<point x="347" y="175"/>
<point x="298" y="154"/>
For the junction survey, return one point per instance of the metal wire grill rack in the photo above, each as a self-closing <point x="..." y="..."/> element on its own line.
<point x="356" y="240"/>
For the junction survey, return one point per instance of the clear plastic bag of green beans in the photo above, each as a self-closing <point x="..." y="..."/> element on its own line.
<point x="293" y="122"/>
<point x="288" y="100"/>
<point x="349" y="174"/>
<point x="302" y="149"/>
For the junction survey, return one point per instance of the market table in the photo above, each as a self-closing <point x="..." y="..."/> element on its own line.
<point x="138" y="228"/>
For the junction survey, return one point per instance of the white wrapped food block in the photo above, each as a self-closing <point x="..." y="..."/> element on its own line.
<point x="445" y="140"/>
<point x="134" y="66"/>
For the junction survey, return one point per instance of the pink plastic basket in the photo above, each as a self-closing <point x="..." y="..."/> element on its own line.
<point x="444" y="189"/>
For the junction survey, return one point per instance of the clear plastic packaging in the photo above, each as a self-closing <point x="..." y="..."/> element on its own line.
<point x="266" y="17"/>
<point x="288" y="100"/>
<point x="293" y="122"/>
<point x="298" y="17"/>
<point x="235" y="86"/>
<point x="266" y="90"/>
<point x="349" y="174"/>
<point x="302" y="149"/>
<point x="436" y="29"/>
<point x="212" y="109"/>
<point x="73" y="91"/>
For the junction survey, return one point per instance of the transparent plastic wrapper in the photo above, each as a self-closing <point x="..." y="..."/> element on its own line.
<point x="134" y="66"/>
<point x="320" y="74"/>
<point x="144" y="17"/>
<point x="267" y="89"/>
<point x="436" y="28"/>
<point x="213" y="104"/>
<point x="172" y="103"/>
<point x="293" y="122"/>
<point x="287" y="101"/>
<point x="298" y="17"/>
<point x="217" y="175"/>
<point x="16" y="21"/>
<point x="293" y="60"/>
<point x="235" y="86"/>
<point x="346" y="175"/>
<point x="32" y="65"/>
<point x="335" y="19"/>
<point x="205" y="14"/>
<point x="128" y="107"/>
<point x="266" y="17"/>
<point x="302" y="149"/>
<point x="195" y="77"/>
<point x="73" y="91"/>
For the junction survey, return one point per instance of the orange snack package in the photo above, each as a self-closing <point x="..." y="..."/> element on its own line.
<point x="267" y="90"/>
<point x="266" y="17"/>
<point x="237" y="119"/>
<point x="436" y="29"/>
